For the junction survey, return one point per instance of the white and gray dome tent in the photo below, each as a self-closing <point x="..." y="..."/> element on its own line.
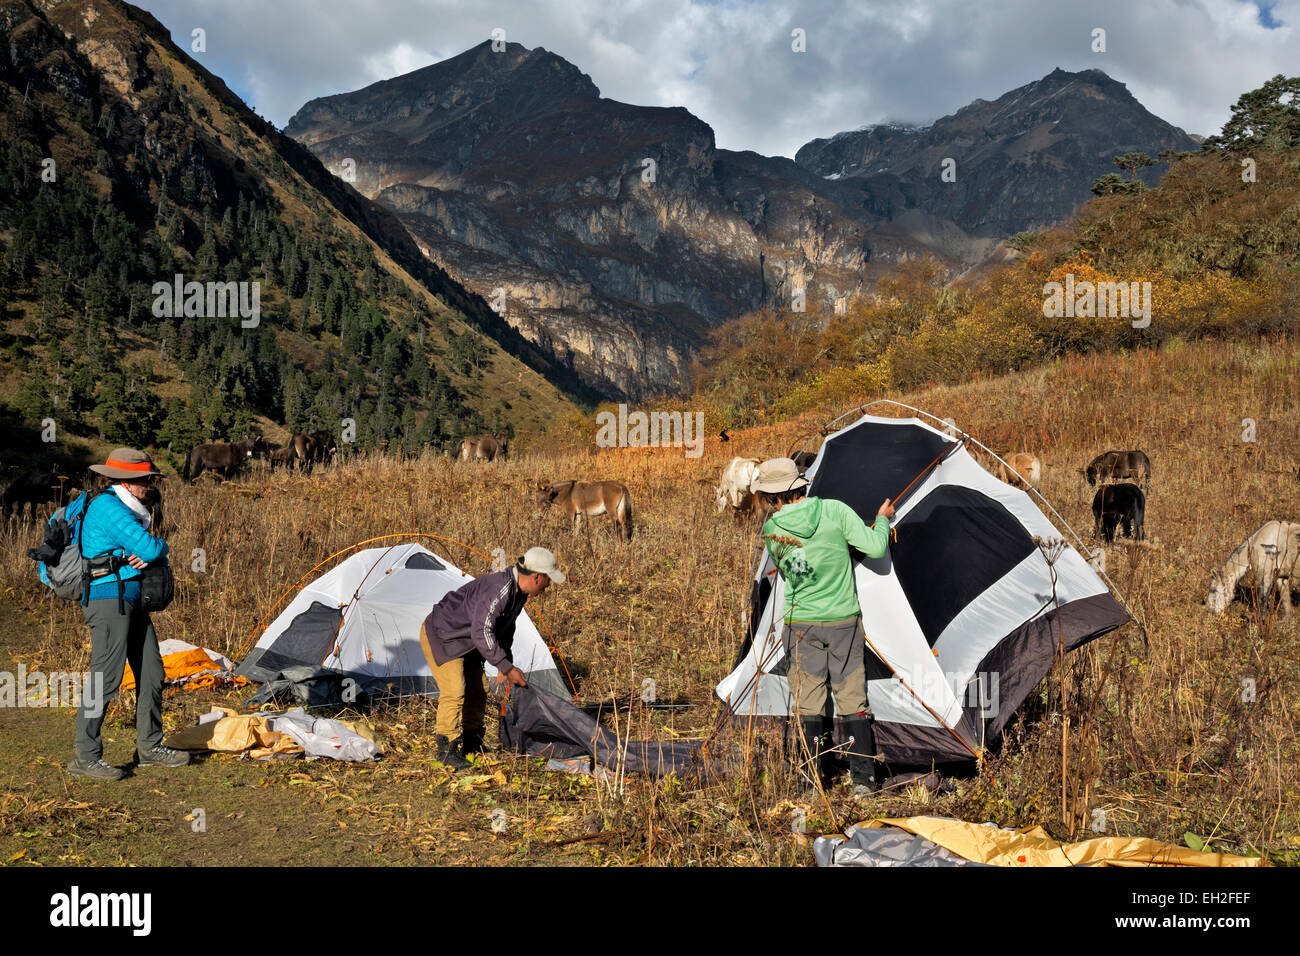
<point x="362" y="618"/>
<point x="960" y="617"/>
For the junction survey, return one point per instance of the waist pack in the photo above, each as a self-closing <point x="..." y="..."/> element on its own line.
<point x="157" y="586"/>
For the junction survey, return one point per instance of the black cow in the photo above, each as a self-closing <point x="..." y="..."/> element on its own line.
<point x="1119" y="504"/>
<point x="36" y="486"/>
<point x="224" y="458"/>
<point x="1134" y="465"/>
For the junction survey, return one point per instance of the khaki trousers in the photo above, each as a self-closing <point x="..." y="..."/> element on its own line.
<point x="462" y="692"/>
<point x="828" y="652"/>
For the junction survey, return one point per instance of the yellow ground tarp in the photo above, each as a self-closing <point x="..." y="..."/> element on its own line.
<point x="234" y="733"/>
<point x="1032" y="846"/>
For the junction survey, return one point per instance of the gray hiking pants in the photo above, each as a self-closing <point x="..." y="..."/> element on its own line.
<point x="116" y="640"/>
<point x="827" y="652"/>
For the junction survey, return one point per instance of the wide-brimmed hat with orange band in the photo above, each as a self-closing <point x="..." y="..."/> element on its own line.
<point x="127" y="463"/>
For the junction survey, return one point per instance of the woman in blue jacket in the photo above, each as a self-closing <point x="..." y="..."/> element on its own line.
<point x="117" y="523"/>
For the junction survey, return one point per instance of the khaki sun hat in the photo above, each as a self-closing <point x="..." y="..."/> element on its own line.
<point x="541" y="561"/>
<point x="778" y="475"/>
<point x="127" y="463"/>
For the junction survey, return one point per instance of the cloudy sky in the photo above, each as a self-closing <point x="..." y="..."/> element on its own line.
<point x="731" y="62"/>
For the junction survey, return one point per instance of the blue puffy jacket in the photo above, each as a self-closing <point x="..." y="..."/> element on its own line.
<point x="111" y="526"/>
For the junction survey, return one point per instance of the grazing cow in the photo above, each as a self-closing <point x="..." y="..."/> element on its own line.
<point x="803" y="460"/>
<point x="304" y="450"/>
<point x="36" y="486"/>
<point x="1024" y="467"/>
<point x="325" y="448"/>
<point x="1118" y="504"/>
<point x="734" y="489"/>
<point x="223" y="458"/>
<point x="591" y="499"/>
<point x="1114" y="465"/>
<point x="1272" y="554"/>
<point x="282" y="457"/>
<point x="484" y="447"/>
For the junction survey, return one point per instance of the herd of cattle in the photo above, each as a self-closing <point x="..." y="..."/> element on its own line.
<point x="224" y="458"/>
<point x="1271" y="554"/>
<point x="1113" y="506"/>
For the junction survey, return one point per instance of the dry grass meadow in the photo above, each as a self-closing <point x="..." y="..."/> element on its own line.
<point x="1161" y="737"/>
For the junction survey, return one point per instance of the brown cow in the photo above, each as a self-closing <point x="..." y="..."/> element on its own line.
<point x="1024" y="467"/>
<point x="318" y="448"/>
<point x="282" y="457"/>
<point x="224" y="458"/>
<point x="484" y="447"/>
<point x="325" y="449"/>
<point x="590" y="499"/>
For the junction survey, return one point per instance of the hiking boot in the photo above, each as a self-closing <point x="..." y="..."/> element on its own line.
<point x="449" y="754"/>
<point x="161" y="756"/>
<point x="471" y="742"/>
<point x="94" y="769"/>
<point x="862" y="751"/>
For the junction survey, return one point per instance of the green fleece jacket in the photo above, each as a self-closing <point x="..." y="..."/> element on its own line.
<point x="818" y="574"/>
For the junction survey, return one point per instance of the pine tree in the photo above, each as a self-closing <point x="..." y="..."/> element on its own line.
<point x="1265" y="118"/>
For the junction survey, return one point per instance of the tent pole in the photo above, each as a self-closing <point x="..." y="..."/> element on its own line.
<point x="1083" y="547"/>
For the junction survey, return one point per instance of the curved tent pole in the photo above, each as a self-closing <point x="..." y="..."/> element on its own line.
<point x="1084" y="548"/>
<point x="297" y="586"/>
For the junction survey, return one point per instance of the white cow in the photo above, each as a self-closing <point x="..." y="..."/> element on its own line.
<point x="734" y="489"/>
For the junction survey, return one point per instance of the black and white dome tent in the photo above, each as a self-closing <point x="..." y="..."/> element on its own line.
<point x="960" y="617"/>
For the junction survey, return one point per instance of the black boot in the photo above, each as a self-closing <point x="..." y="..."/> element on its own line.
<point x="813" y="730"/>
<point x="471" y="742"/>
<point x="449" y="753"/>
<point x="862" y="752"/>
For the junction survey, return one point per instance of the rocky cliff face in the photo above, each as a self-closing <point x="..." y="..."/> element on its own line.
<point x="615" y="236"/>
<point x="1023" y="161"/>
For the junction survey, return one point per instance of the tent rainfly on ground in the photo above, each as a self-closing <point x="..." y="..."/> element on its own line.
<point x="960" y="617"/>
<point x="362" y="618"/>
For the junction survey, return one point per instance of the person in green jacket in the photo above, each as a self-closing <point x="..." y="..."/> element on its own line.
<point x="808" y="539"/>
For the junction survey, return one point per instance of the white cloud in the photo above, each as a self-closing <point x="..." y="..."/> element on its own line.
<point x="730" y="62"/>
<point x="402" y="58"/>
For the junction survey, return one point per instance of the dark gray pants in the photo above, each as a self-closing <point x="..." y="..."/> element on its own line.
<point x="116" y="640"/>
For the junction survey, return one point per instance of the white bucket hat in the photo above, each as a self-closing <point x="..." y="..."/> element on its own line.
<point x="541" y="561"/>
<point x="778" y="475"/>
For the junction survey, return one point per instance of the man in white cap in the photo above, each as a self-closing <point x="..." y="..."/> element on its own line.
<point x="470" y="625"/>
<point x="808" y="539"/>
<point x="116" y="525"/>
